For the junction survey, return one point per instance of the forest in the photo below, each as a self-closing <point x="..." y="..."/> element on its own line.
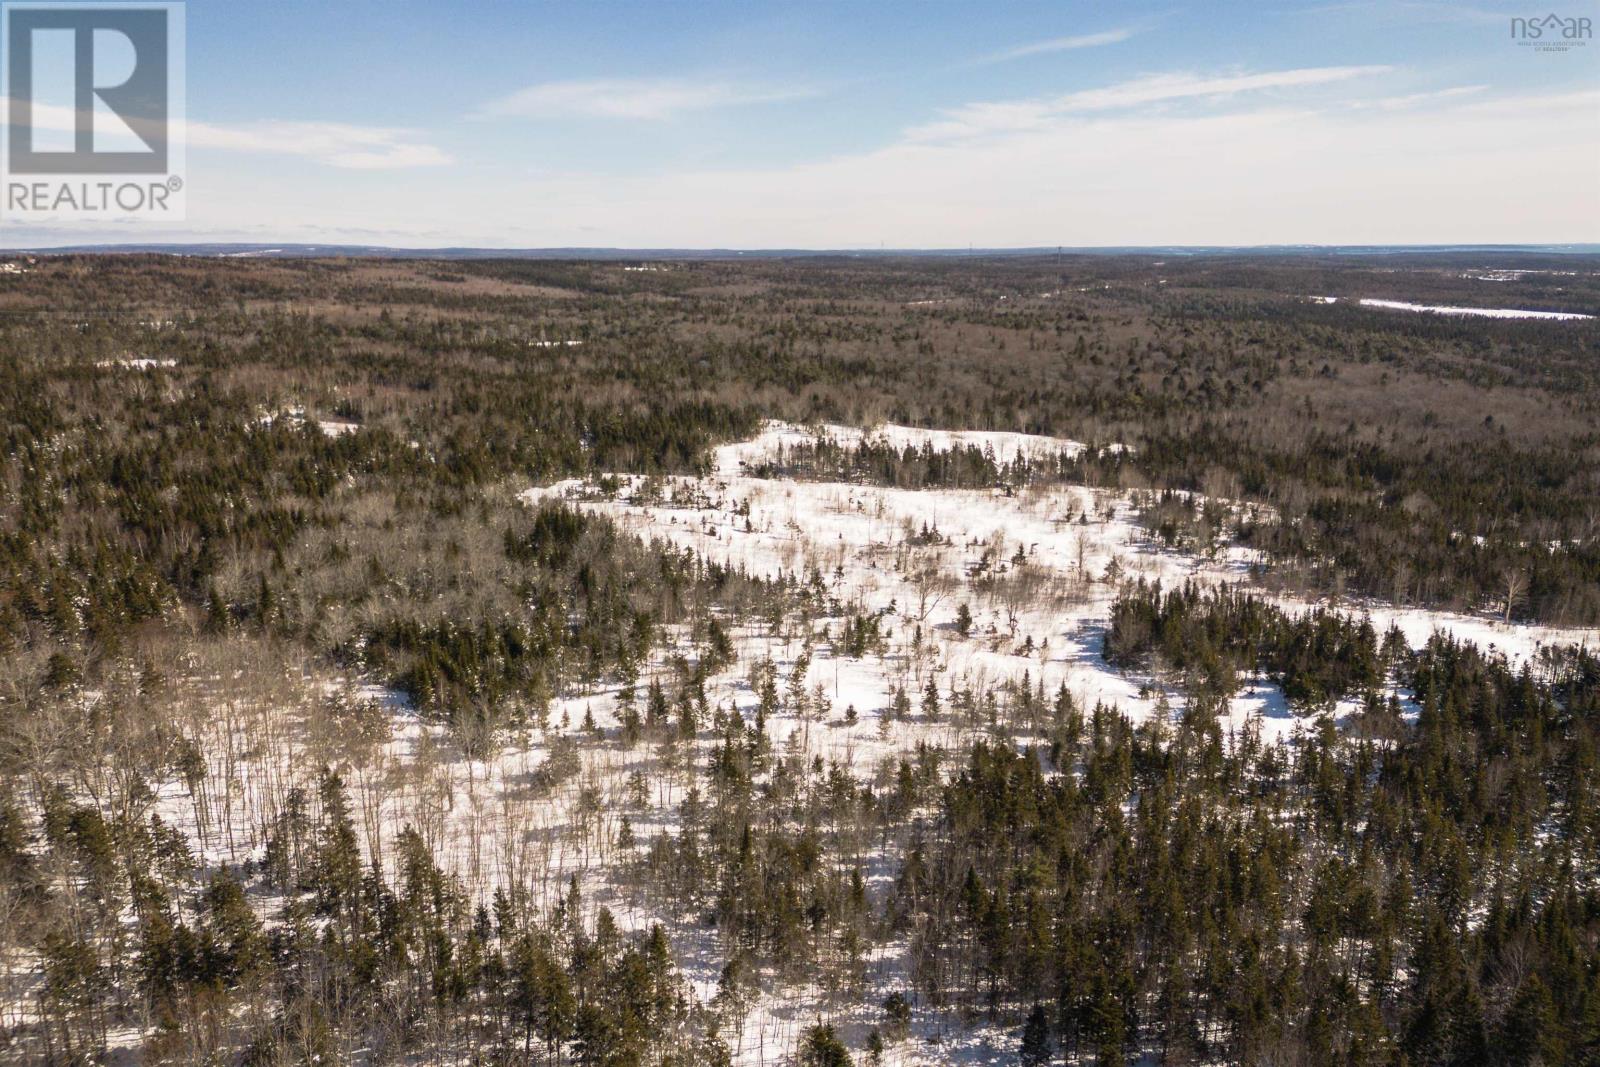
<point x="431" y="661"/>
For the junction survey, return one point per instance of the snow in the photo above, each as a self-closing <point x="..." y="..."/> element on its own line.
<point x="137" y="364"/>
<point x="296" y="416"/>
<point x="775" y="435"/>
<point x="1514" y="274"/>
<point x="1445" y="309"/>
<point x="501" y="819"/>
<point x="1042" y="620"/>
<point x="860" y="536"/>
<point x="1517" y="641"/>
<point x="1490" y="313"/>
<point x="337" y="429"/>
<point x="1263" y="702"/>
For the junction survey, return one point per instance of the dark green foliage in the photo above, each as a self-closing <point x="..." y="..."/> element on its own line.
<point x="1210" y="638"/>
<point x="1036" y="1047"/>
<point x="1415" y="884"/>
<point x="1354" y="899"/>
<point x="822" y="1048"/>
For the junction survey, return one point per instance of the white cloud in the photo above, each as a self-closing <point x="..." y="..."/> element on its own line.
<point x="1264" y="174"/>
<point x="628" y="98"/>
<point x="1395" y="103"/>
<point x="336" y="144"/>
<point x="1258" y="171"/>
<point x="1017" y="115"/>
<point x="1580" y="106"/>
<point x="1162" y="87"/>
<point x="1059" y="44"/>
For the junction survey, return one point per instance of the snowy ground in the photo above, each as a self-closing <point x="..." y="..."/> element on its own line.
<point x="1446" y="309"/>
<point x="142" y="363"/>
<point x="863" y="539"/>
<point x="1031" y="567"/>
<point x="296" y="416"/>
<point x="1491" y="313"/>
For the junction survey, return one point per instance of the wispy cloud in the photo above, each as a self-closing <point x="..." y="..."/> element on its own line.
<point x="1577" y="104"/>
<point x="1236" y="175"/>
<point x="1059" y="44"/>
<point x="336" y="144"/>
<point x="1314" y="172"/>
<point x="980" y="119"/>
<point x="630" y="98"/>
<point x="1397" y="12"/>
<point x="1410" y="100"/>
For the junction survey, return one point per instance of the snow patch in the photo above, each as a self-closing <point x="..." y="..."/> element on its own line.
<point x="1488" y="313"/>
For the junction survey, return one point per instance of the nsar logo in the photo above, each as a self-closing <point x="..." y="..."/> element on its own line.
<point x="1552" y="33"/>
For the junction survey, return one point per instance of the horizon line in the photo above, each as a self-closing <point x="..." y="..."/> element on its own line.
<point x="302" y="249"/>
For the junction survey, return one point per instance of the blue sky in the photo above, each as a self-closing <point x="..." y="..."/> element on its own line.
<point x="930" y="124"/>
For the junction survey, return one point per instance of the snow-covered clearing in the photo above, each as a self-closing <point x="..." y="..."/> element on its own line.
<point x="1446" y="309"/>
<point x="1488" y="313"/>
<point x="1038" y="568"/>
<point x="1032" y="567"/>
<point x="335" y="428"/>
<point x="296" y="416"/>
<point x="862" y="536"/>
<point x="144" y="363"/>
<point x="1516" y="274"/>
<point x="731" y="460"/>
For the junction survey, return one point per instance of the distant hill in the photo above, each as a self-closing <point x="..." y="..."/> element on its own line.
<point x="263" y="251"/>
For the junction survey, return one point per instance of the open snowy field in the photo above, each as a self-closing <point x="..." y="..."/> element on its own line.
<point x="1037" y="570"/>
<point x="1447" y="309"/>
<point x="1043" y="555"/>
